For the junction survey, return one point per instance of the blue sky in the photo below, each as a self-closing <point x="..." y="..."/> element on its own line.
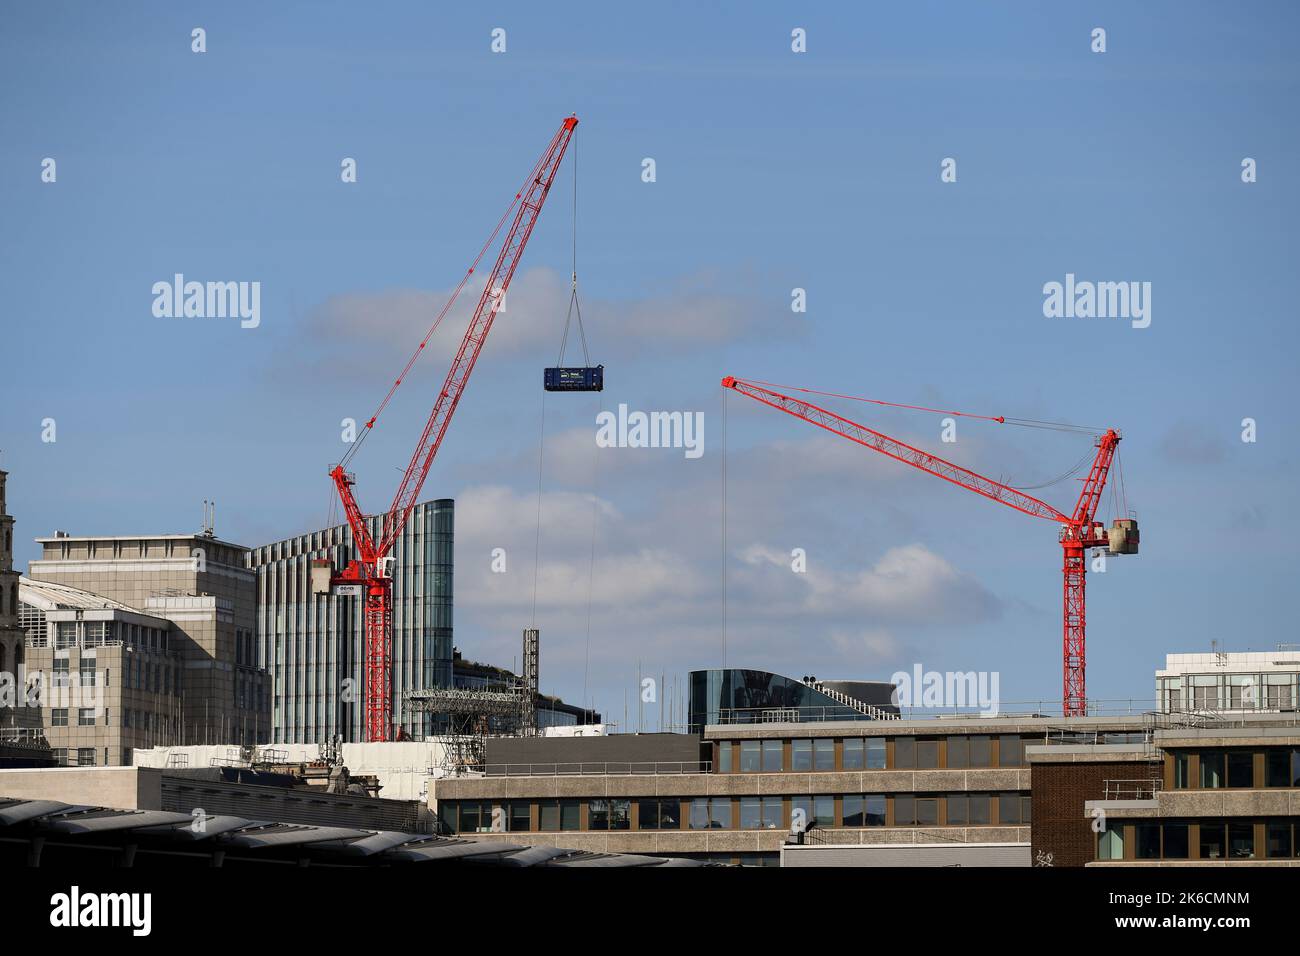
<point x="775" y="170"/>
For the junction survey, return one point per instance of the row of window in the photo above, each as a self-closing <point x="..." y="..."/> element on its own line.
<point x="1008" y="808"/>
<point x="86" y="717"/>
<point x="77" y="757"/>
<point x="1237" y="769"/>
<point x="1201" y="840"/>
<point x="829" y="754"/>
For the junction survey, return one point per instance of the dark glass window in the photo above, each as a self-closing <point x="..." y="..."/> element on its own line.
<point x="905" y="753"/>
<point x="904" y="810"/>
<point x="875" y="753"/>
<point x="605" y="814"/>
<point x="1212" y="841"/>
<point x="853" y="756"/>
<point x="1146" y="842"/>
<point x="471" y="817"/>
<point x="1277" y="767"/>
<point x="1175" y="841"/>
<point x="1212" y="769"/>
<point x="1241" y="769"/>
<point x="852" y="813"/>
<point x="647" y="814"/>
<point x="981" y="750"/>
<point x="801" y="755"/>
<point x="569" y="814"/>
<point x="927" y="754"/>
<point x="1013" y="809"/>
<point x="772" y="756"/>
<point x="958" y="752"/>
<point x="1181" y="771"/>
<point x="751" y="760"/>
<point x="958" y="809"/>
<point x="1011" y="751"/>
<point x="549" y="815"/>
<point x="520" y="818"/>
<point x="449" y="812"/>
<point x="724" y="757"/>
<point x="670" y="814"/>
<point x="1241" y="841"/>
<point x="927" y="811"/>
<point x="875" y="809"/>
<point x="751" y="813"/>
<point x="1277" y="840"/>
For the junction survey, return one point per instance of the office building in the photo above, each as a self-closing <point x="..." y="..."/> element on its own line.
<point x="313" y="645"/>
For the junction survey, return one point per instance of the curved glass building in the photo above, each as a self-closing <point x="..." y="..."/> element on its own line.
<point x="738" y="696"/>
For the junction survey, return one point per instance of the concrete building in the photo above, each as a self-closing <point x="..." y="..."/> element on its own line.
<point x="106" y="677"/>
<point x="313" y="644"/>
<point x="1210" y="792"/>
<point x="1230" y="681"/>
<point x="13" y="718"/>
<point x="195" y="582"/>
<point x="800" y="774"/>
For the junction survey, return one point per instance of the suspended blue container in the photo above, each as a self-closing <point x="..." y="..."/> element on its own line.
<point x="586" y="378"/>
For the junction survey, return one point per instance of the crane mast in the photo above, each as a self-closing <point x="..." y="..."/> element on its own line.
<point x="1079" y="530"/>
<point x="371" y="569"/>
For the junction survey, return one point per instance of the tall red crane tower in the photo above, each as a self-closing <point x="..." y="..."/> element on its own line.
<point x="372" y="568"/>
<point x="1079" y="530"/>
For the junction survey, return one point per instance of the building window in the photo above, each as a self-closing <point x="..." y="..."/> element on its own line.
<point x="59" y="717"/>
<point x="905" y="753"/>
<point x="87" y="670"/>
<point x="85" y="756"/>
<point x="1241" y="841"/>
<point x="969" y="809"/>
<point x="801" y="755"/>
<point x="609" y="815"/>
<point x="912" y="811"/>
<point x="751" y="760"/>
<point x="1212" y="841"/>
<point x="863" y="811"/>
<point x="655" y="814"/>
<point x="520" y="816"/>
<point x="1181" y="771"/>
<point x="1110" y="845"/>
<point x="927" y="754"/>
<point x="958" y="752"/>
<point x="60" y="673"/>
<point x="824" y="754"/>
<point x="549" y="816"/>
<point x="1011" y="750"/>
<point x="1277" y="840"/>
<point x="852" y="756"/>
<point x="1146" y="841"/>
<point x="1175" y="841"/>
<point x="724" y="757"/>
<point x="1282" y="767"/>
<point x="772" y="756"/>
<point x="85" y="717"/>
<point x="875" y="753"/>
<point x="1241" y="769"/>
<point x="1013" y="809"/>
<point x="710" y="814"/>
<point x="1212" y="769"/>
<point x="60" y="755"/>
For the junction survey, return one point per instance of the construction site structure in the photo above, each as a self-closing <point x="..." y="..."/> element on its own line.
<point x="1079" y="530"/>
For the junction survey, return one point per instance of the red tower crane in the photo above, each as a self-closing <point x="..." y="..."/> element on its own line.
<point x="371" y="569"/>
<point x="1078" y="531"/>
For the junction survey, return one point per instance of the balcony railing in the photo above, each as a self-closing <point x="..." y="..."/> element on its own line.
<point x="1144" y="788"/>
<point x="590" y="768"/>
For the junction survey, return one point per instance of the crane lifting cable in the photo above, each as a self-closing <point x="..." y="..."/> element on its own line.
<point x="585" y="377"/>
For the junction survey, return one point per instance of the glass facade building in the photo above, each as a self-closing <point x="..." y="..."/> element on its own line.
<point x="736" y="696"/>
<point x="313" y="644"/>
